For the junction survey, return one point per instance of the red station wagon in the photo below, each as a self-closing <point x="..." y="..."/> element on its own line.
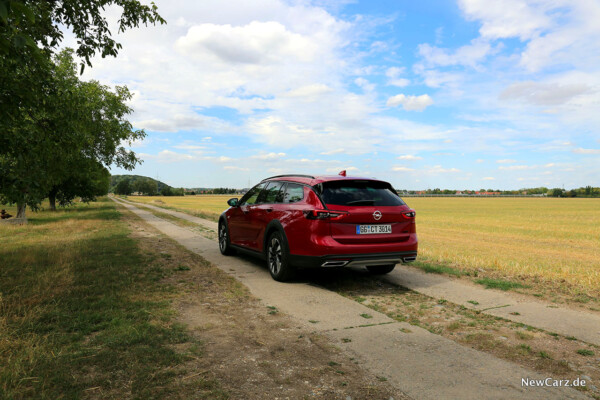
<point x="302" y="221"/>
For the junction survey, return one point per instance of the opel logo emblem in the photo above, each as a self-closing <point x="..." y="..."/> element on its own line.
<point x="377" y="215"/>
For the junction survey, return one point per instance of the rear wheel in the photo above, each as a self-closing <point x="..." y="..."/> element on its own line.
<point x="278" y="258"/>
<point x="224" y="241"/>
<point x="381" y="269"/>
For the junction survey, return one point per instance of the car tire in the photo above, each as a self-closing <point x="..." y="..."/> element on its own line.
<point x="278" y="259"/>
<point x="381" y="269"/>
<point x="224" y="239"/>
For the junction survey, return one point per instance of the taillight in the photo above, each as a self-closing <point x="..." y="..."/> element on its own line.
<point x="325" y="214"/>
<point x="409" y="214"/>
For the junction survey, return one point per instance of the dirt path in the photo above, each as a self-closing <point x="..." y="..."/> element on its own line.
<point x="421" y="364"/>
<point x="582" y="325"/>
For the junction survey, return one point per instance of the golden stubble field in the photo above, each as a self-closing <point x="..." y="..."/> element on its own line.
<point x="549" y="239"/>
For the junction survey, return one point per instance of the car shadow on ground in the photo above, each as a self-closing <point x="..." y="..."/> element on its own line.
<point x="357" y="280"/>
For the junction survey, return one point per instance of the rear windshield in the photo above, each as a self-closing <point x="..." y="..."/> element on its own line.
<point x="359" y="193"/>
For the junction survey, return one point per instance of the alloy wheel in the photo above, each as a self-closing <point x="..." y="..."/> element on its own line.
<point x="275" y="255"/>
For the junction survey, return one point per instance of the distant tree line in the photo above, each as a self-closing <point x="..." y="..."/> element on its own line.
<point x="587" y="191"/>
<point x="128" y="184"/>
<point x="223" y="191"/>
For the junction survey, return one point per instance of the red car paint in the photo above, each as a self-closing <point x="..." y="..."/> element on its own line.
<point x="318" y="234"/>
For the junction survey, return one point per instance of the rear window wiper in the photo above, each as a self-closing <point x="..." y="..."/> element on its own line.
<point x="361" y="202"/>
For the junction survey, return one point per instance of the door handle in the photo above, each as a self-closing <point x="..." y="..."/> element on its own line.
<point x="268" y="210"/>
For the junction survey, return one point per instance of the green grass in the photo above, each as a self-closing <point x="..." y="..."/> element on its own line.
<point x="437" y="269"/>
<point x="585" y="352"/>
<point x="83" y="312"/>
<point x="501" y="284"/>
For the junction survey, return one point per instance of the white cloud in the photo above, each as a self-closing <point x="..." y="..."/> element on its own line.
<point x="190" y="147"/>
<point x="438" y="169"/>
<point x="506" y="161"/>
<point x="309" y="91"/>
<point x="489" y="178"/>
<point x="410" y="103"/>
<point x="409" y="157"/>
<point x="167" y="156"/>
<point x="254" y="43"/>
<point x="269" y="156"/>
<point x="365" y="84"/>
<point x="543" y="94"/>
<point x="581" y="150"/>
<point x="393" y="73"/>
<point x="402" y="169"/>
<point x="508" y="18"/>
<point x="517" y="167"/>
<point x="235" y="168"/>
<point x="469" y="55"/>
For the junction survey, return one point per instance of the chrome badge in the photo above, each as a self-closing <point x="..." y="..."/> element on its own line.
<point x="377" y="215"/>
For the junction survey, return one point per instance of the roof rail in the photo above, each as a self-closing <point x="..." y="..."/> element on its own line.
<point x="290" y="175"/>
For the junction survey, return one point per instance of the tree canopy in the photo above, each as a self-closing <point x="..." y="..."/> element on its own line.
<point x="50" y="122"/>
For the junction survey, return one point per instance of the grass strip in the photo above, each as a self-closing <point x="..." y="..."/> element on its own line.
<point x="501" y="284"/>
<point x="84" y="313"/>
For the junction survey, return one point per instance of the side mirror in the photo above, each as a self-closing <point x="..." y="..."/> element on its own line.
<point x="233" y="202"/>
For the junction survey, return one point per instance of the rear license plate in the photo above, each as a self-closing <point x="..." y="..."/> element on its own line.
<point x="373" y="229"/>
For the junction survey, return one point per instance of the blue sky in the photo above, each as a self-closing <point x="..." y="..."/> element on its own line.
<point x="463" y="94"/>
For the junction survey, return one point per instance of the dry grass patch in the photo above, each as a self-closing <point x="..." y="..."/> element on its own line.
<point x="549" y="244"/>
<point x="253" y="350"/>
<point x="546" y="352"/>
<point x="85" y="314"/>
<point x="203" y="206"/>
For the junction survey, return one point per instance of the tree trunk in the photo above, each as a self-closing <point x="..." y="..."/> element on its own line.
<point x="21" y="210"/>
<point x="52" y="199"/>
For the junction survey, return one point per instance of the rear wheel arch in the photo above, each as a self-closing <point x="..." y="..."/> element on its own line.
<point x="274" y="226"/>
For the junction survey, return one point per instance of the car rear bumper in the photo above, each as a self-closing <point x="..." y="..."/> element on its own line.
<point x="352" y="260"/>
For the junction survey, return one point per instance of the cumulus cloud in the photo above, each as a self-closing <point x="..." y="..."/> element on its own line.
<point x="402" y="169"/>
<point x="394" y="73"/>
<point x="409" y="157"/>
<point x="581" y="150"/>
<point x="489" y="178"/>
<point x="269" y="156"/>
<point x="506" y="161"/>
<point x="410" y="103"/>
<point x="469" y="55"/>
<point x="254" y="43"/>
<point x="543" y="94"/>
<point x="508" y="18"/>
<point x="438" y="169"/>
<point x="167" y="156"/>
<point x="517" y="167"/>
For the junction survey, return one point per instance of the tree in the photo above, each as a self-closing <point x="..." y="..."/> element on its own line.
<point x="33" y="97"/>
<point x="86" y="182"/>
<point x="79" y="123"/>
<point x="123" y="188"/>
<point x="148" y="187"/>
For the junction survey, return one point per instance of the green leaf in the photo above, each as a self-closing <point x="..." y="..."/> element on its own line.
<point x="20" y="41"/>
<point x="25" y="10"/>
<point x="3" y="11"/>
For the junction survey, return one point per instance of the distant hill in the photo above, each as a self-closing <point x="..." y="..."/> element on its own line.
<point x="115" y="179"/>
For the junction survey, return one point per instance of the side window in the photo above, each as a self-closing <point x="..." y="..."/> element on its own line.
<point x="293" y="193"/>
<point x="279" y="198"/>
<point x="269" y="195"/>
<point x="252" y="195"/>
